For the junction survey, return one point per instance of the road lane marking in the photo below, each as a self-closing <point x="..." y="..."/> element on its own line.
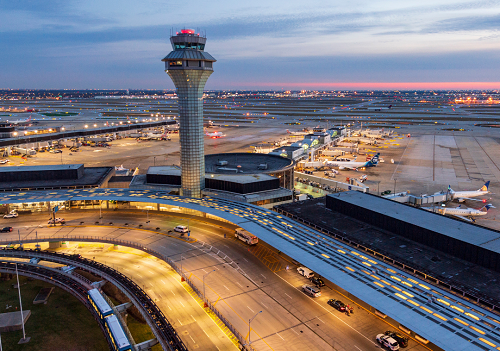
<point x="172" y="292"/>
<point x="180" y="321"/>
<point x="294" y="331"/>
<point x="194" y="319"/>
<point x="264" y="305"/>
<point x="332" y="314"/>
<point x="288" y="295"/>
<point x="182" y="304"/>
<point x="163" y="281"/>
<point x="263" y="276"/>
<point x="192" y="339"/>
<point x="250" y="309"/>
<point x="245" y="259"/>
<point x="320" y="320"/>
<point x="225" y="286"/>
<point x="280" y="336"/>
<point x="206" y="333"/>
<point x="169" y="308"/>
<point x="357" y="347"/>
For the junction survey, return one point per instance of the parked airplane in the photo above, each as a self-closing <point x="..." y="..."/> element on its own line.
<point x="158" y="136"/>
<point x="302" y="132"/>
<point x="215" y="135"/>
<point x="461" y="196"/>
<point x="21" y="122"/>
<point x="467" y="214"/>
<point x="354" y="164"/>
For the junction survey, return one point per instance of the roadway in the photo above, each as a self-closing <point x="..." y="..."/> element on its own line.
<point x="290" y="320"/>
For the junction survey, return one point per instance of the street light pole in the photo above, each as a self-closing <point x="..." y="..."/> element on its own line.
<point x="204" y="296"/>
<point x="249" y="329"/>
<point x="20" y="304"/>
<point x="395" y="180"/>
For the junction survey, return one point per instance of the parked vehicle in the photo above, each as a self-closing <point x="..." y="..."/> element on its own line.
<point x="337" y="304"/>
<point x="400" y="338"/>
<point x="317" y="281"/>
<point x="387" y="341"/>
<point x="306" y="272"/>
<point x="181" y="229"/>
<point x="11" y="214"/>
<point x="6" y="229"/>
<point x="311" y="290"/>
<point x="56" y="220"/>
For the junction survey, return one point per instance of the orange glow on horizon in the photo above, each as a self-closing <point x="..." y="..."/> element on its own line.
<point x="385" y="85"/>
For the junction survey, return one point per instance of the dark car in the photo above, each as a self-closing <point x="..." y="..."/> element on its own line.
<point x="317" y="281"/>
<point x="401" y="339"/>
<point x="339" y="305"/>
<point x="6" y="229"/>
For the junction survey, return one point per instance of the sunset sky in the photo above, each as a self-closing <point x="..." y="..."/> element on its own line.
<point x="259" y="44"/>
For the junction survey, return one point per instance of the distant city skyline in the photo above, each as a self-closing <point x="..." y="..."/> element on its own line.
<point x="389" y="44"/>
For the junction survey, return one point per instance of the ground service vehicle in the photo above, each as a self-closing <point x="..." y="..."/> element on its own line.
<point x="400" y="338"/>
<point x="306" y="272"/>
<point x="245" y="236"/>
<point x="387" y="341"/>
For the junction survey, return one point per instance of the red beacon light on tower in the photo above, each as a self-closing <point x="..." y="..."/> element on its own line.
<point x="187" y="31"/>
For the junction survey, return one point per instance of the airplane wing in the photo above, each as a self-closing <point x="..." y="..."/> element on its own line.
<point x="470" y="220"/>
<point x="462" y="199"/>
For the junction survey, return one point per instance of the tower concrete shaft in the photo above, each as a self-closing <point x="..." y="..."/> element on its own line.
<point x="189" y="68"/>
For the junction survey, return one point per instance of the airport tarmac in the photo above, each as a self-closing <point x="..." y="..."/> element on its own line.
<point x="445" y="147"/>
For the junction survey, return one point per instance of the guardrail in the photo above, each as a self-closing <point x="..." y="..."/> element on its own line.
<point x="59" y="279"/>
<point x="163" y="330"/>
<point x="485" y="301"/>
<point x="198" y="244"/>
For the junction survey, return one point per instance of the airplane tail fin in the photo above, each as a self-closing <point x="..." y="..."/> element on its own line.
<point x="485" y="186"/>
<point x="375" y="158"/>
<point x="487" y="207"/>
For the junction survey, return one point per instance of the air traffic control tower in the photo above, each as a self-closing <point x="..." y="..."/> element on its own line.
<point x="189" y="66"/>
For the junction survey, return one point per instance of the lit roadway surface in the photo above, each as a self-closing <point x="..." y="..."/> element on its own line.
<point x="449" y="322"/>
<point x="290" y="320"/>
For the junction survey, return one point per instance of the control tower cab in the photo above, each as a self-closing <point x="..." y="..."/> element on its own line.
<point x="189" y="67"/>
<point x="188" y="52"/>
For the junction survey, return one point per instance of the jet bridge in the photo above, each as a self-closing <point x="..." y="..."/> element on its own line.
<point x="422" y="200"/>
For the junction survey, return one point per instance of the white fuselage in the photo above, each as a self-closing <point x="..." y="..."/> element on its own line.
<point x="470" y="212"/>
<point x="468" y="194"/>
<point x="346" y="164"/>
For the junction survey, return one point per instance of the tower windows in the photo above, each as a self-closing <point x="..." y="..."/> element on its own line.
<point x="175" y="63"/>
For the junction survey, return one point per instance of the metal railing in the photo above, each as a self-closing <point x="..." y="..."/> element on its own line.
<point x="163" y="330"/>
<point x="198" y="245"/>
<point x="59" y="279"/>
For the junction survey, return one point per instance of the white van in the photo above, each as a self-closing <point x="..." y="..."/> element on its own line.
<point x="181" y="229"/>
<point x="245" y="236"/>
<point x="306" y="272"/>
